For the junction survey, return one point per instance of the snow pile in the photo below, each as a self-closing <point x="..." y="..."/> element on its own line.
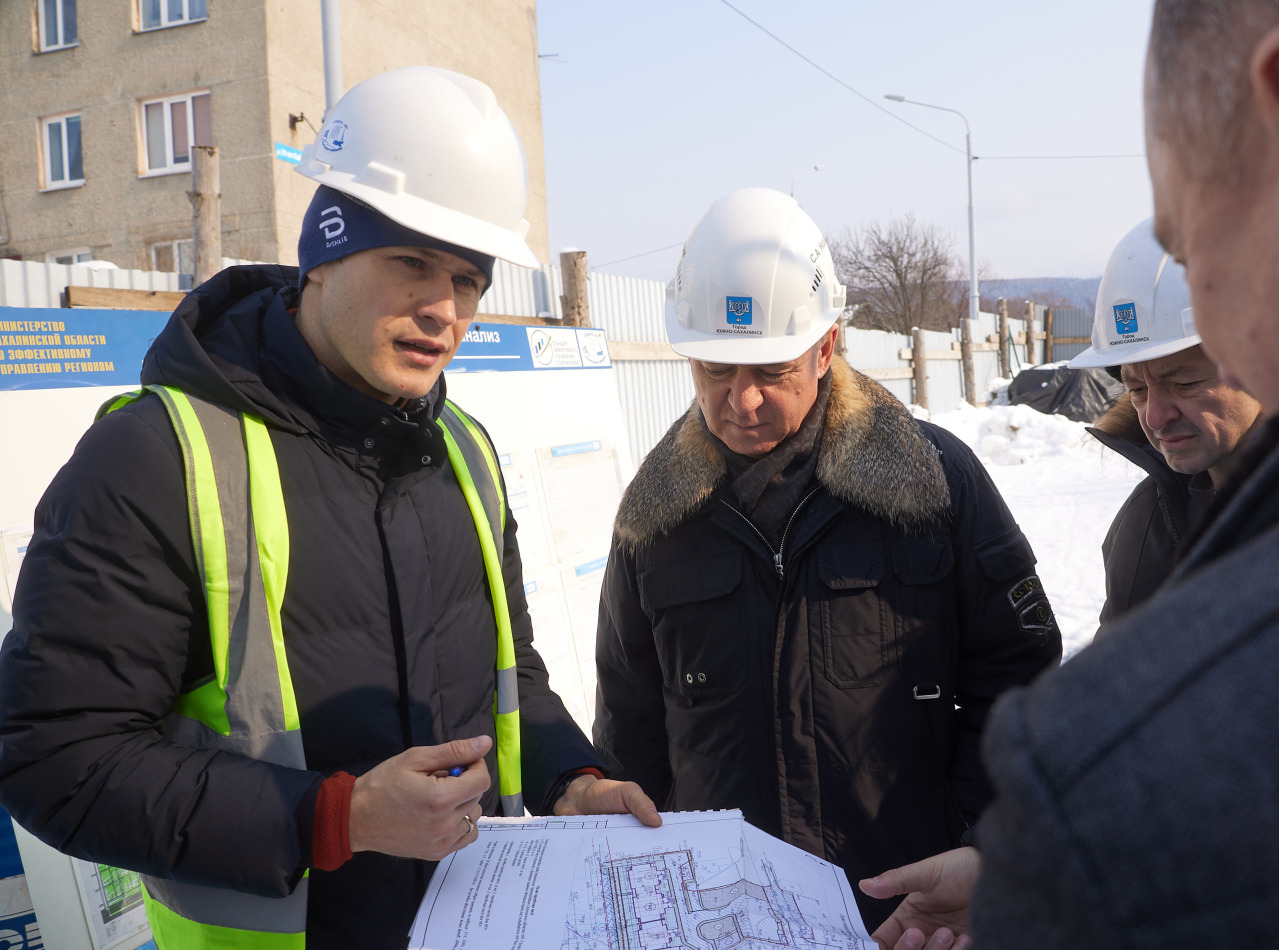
<point x="1013" y="435"/>
<point x="1064" y="489"/>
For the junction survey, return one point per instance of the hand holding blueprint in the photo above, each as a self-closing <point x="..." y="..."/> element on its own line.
<point x="704" y="880"/>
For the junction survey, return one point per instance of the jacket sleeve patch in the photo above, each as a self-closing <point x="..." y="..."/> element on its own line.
<point x="1028" y="600"/>
<point x="1026" y="587"/>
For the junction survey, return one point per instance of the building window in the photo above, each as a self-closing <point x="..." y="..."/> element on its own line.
<point x="156" y="14"/>
<point x="76" y="255"/>
<point x="173" y="257"/>
<point x="170" y="127"/>
<point x="57" y="24"/>
<point x="60" y="142"/>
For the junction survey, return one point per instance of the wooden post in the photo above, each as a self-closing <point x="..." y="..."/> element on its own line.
<point x="920" y="362"/>
<point x="1031" y="356"/>
<point x="841" y="341"/>
<point x="1048" y="336"/>
<point x="1005" y="344"/>
<point x="577" y="309"/>
<point x="966" y="357"/>
<point x="206" y="207"/>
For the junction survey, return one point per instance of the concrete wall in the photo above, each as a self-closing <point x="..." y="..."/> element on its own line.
<point x="118" y="212"/>
<point x="493" y="40"/>
<point x="261" y="60"/>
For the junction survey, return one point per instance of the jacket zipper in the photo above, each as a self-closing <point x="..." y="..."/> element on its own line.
<point x="778" y="564"/>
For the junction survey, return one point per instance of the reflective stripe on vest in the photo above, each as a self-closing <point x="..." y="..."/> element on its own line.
<point x="469" y="451"/>
<point x="239" y="529"/>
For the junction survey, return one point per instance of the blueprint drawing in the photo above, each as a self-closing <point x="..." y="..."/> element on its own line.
<point x="703" y="881"/>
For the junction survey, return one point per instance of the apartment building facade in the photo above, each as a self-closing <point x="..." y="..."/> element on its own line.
<point x="101" y="102"/>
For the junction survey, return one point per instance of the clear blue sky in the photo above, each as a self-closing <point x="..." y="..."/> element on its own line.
<point x="652" y="109"/>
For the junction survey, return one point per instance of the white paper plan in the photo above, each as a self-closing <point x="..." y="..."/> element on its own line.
<point x="703" y="881"/>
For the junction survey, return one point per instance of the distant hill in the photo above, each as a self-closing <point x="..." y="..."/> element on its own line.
<point x="1053" y="291"/>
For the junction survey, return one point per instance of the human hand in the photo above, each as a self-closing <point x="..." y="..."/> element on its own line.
<point x="402" y="807"/>
<point x="934" y="915"/>
<point x="588" y="795"/>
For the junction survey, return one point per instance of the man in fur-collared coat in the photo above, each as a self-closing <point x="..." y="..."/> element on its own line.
<point x="812" y="598"/>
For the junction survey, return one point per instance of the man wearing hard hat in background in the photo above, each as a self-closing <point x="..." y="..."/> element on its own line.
<point x="812" y="599"/>
<point x="270" y="635"/>
<point x="1178" y="419"/>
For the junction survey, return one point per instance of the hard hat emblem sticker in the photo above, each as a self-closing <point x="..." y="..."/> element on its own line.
<point x="334" y="136"/>
<point x="739" y="311"/>
<point x="1126" y="318"/>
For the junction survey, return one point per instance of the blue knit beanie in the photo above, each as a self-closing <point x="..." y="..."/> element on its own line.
<point x="336" y="225"/>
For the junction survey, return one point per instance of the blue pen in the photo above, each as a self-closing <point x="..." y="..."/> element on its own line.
<point x="455" y="771"/>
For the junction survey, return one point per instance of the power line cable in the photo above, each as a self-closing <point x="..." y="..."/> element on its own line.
<point x="830" y="75"/>
<point x="656" y="250"/>
<point x="890" y="112"/>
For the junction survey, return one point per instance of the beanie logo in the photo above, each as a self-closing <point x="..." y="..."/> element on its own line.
<point x="333" y="226"/>
<point x="1126" y="318"/>
<point x="739" y="310"/>
<point x="334" y="136"/>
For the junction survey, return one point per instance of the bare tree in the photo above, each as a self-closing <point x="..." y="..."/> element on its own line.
<point x="901" y="275"/>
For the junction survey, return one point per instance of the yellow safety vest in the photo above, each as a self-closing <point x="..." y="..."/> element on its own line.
<point x="241" y="535"/>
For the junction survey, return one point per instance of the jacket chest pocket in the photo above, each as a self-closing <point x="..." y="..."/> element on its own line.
<point x="696" y="613"/>
<point x="855" y="625"/>
<point x="925" y="607"/>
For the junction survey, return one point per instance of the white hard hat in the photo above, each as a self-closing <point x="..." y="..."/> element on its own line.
<point x="433" y="150"/>
<point x="755" y="283"/>
<point x="1143" y="305"/>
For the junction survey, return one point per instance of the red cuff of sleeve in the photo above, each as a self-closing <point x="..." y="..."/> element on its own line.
<point x="590" y="771"/>
<point x="331" y="839"/>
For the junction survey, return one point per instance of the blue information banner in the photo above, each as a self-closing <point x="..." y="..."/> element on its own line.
<point x="287" y="153"/>
<point x="41" y="348"/>
<point x="512" y="347"/>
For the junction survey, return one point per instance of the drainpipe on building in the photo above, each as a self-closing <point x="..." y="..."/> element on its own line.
<point x="331" y="25"/>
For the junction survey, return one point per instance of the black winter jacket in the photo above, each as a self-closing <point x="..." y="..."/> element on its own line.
<point x="840" y="704"/>
<point x="387" y="620"/>
<point x="1148" y="534"/>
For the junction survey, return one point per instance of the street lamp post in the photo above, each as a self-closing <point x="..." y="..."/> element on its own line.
<point x="972" y="242"/>
<point x="815" y="168"/>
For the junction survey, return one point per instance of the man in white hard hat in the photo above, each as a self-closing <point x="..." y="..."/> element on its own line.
<point x="812" y="598"/>
<point x="1136" y="803"/>
<point x="1179" y="419"/>
<point x="270" y="635"/>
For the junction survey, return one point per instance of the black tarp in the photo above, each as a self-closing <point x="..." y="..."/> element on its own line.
<point x="1078" y="394"/>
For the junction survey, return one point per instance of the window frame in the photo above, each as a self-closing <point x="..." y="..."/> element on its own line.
<point x="175" y="246"/>
<point x="41" y="26"/>
<point x="165" y="22"/>
<point x="75" y="253"/>
<point x="172" y="166"/>
<point x="47" y="181"/>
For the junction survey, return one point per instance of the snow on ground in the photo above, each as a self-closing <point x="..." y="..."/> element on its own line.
<point x="1064" y="489"/>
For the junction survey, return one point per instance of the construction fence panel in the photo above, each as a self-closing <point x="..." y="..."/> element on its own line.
<point x="523" y="291"/>
<point x="945" y="377"/>
<point x="37" y="284"/>
<point x="653" y="394"/>
<point x="1072" y="323"/>
<point x="869" y="350"/>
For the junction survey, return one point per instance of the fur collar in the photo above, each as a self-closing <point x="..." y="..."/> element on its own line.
<point x="1121" y="422"/>
<point x="873" y="457"/>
